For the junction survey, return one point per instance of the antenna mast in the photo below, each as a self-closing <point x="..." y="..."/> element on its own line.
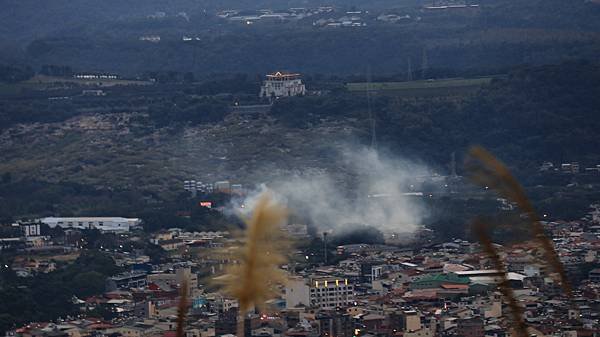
<point x="370" y="110"/>
<point x="424" y="64"/>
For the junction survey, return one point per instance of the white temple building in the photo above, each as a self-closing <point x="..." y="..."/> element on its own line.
<point x="282" y="85"/>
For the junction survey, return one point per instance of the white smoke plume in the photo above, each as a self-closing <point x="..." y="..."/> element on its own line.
<point x="377" y="193"/>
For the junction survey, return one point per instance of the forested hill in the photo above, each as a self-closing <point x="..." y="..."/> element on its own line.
<point x="105" y="36"/>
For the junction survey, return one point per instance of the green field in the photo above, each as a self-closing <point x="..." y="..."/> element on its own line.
<point x="446" y="86"/>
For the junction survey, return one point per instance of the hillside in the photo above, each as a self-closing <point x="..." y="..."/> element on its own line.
<point x="148" y="139"/>
<point x="118" y="150"/>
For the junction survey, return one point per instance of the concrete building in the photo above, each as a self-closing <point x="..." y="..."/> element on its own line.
<point x="30" y="229"/>
<point x="282" y="85"/>
<point x="334" y="323"/>
<point x="104" y="224"/>
<point x="570" y="167"/>
<point x="181" y="275"/>
<point x="172" y="244"/>
<point x="126" y="281"/>
<point x="195" y="187"/>
<point x="405" y="320"/>
<point x="222" y="186"/>
<point x="12" y="243"/>
<point x="470" y="327"/>
<point x="296" y="230"/>
<point x="94" y="92"/>
<point x="324" y="293"/>
<point x="430" y="281"/>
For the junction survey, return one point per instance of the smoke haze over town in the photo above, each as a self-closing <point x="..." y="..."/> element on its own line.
<point x="378" y="194"/>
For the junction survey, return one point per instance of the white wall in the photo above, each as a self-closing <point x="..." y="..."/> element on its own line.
<point x="107" y="224"/>
<point x="296" y="292"/>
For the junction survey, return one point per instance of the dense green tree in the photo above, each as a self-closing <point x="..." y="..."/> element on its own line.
<point x="6" y="177"/>
<point x="49" y="296"/>
<point x="88" y="283"/>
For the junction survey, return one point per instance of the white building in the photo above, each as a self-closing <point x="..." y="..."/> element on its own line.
<point x="296" y="230"/>
<point x="31" y="229"/>
<point x="282" y="85"/>
<point x="222" y="186"/>
<point x="324" y="293"/>
<point x="105" y="224"/>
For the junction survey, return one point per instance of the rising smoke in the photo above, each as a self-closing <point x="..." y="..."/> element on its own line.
<point x="371" y="191"/>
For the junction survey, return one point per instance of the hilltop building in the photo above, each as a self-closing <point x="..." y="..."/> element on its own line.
<point x="282" y="85"/>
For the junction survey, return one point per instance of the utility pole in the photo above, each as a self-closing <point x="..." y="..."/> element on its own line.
<point x="453" y="165"/>
<point x="370" y="110"/>
<point x="424" y="64"/>
<point x="325" y="246"/>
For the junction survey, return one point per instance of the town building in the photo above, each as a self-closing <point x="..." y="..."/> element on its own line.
<point x="470" y="327"/>
<point x="438" y="280"/>
<point x="126" y="280"/>
<point x="93" y="92"/>
<point x="30" y="229"/>
<point x="324" y="293"/>
<point x="222" y="186"/>
<point x="570" y="167"/>
<point x="182" y="275"/>
<point x="334" y="323"/>
<point x="104" y="224"/>
<point x="282" y="85"/>
<point x="594" y="275"/>
<point x="296" y="230"/>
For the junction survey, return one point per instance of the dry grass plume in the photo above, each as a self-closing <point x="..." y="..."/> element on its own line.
<point x="253" y="280"/>
<point x="481" y="232"/>
<point x="488" y="171"/>
<point x="182" y="308"/>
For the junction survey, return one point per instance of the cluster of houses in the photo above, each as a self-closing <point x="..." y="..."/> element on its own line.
<point x="446" y="289"/>
<point x="270" y="15"/>
<point x="569" y="168"/>
<point x="325" y="16"/>
<point x="223" y="186"/>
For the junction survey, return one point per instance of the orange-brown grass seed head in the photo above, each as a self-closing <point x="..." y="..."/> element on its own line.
<point x="488" y="171"/>
<point x="253" y="280"/>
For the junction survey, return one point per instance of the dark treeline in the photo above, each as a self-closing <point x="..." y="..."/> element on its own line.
<point x="501" y="34"/>
<point x="48" y="296"/>
<point x="343" y="52"/>
<point x="14" y="74"/>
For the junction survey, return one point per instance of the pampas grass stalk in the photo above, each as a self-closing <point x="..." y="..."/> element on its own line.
<point x="252" y="281"/>
<point x="488" y="171"/>
<point x="182" y="308"/>
<point x="481" y="232"/>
